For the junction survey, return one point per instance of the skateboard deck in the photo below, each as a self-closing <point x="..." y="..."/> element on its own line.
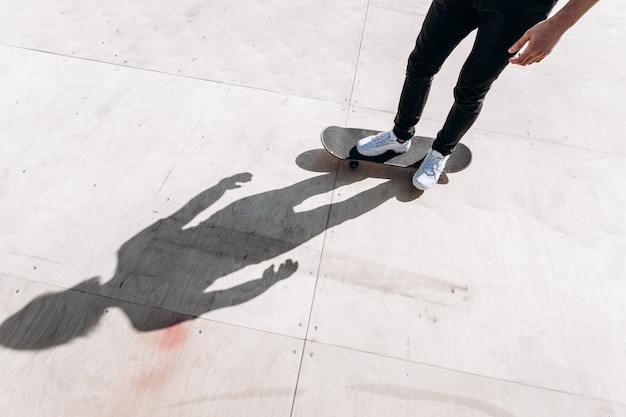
<point x="341" y="143"/>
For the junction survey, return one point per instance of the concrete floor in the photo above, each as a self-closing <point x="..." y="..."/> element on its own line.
<point x="175" y="242"/>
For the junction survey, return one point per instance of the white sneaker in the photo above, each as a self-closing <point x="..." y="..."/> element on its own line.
<point x="379" y="144"/>
<point x="428" y="173"/>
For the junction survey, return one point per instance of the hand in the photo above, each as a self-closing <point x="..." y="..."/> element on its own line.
<point x="539" y="41"/>
<point x="285" y="270"/>
<point x="232" y="182"/>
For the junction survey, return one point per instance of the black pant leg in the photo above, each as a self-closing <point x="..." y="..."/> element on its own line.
<point x="446" y="24"/>
<point x="502" y="23"/>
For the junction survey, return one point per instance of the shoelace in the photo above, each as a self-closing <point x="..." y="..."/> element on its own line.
<point x="382" y="139"/>
<point x="431" y="163"/>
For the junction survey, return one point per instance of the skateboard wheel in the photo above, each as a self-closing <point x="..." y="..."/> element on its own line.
<point x="354" y="164"/>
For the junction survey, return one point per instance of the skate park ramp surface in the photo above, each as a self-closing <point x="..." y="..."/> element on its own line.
<point x="176" y="242"/>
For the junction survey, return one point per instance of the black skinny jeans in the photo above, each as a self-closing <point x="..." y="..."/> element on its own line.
<point x="500" y="24"/>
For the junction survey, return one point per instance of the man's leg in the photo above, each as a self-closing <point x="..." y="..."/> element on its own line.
<point x="502" y="22"/>
<point x="446" y="24"/>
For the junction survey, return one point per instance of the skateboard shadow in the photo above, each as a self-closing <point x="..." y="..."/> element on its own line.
<point x="171" y="266"/>
<point x="381" y="159"/>
<point x="385" y="158"/>
<point x="319" y="160"/>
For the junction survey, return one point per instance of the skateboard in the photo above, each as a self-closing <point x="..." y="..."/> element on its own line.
<point x="341" y="143"/>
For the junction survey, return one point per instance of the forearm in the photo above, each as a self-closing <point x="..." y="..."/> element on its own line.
<point x="571" y="13"/>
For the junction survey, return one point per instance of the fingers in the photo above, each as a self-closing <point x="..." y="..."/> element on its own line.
<point x="526" y="58"/>
<point x="535" y="44"/>
<point x="242" y="177"/>
<point x="520" y="49"/>
<point x="517" y="46"/>
<point x="233" y="182"/>
<point x="524" y="51"/>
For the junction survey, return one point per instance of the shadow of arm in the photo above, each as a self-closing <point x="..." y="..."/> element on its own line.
<point x="251" y="289"/>
<point x="208" y="197"/>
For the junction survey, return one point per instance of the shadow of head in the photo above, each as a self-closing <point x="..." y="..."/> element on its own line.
<point x="55" y="318"/>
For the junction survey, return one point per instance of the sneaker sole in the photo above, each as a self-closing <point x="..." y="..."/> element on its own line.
<point x="367" y="153"/>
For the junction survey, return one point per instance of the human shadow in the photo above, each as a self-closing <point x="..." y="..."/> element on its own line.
<point x="170" y="265"/>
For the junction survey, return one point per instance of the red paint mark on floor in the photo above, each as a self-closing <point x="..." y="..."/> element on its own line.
<point x="152" y="379"/>
<point x="159" y="366"/>
<point x="173" y="336"/>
